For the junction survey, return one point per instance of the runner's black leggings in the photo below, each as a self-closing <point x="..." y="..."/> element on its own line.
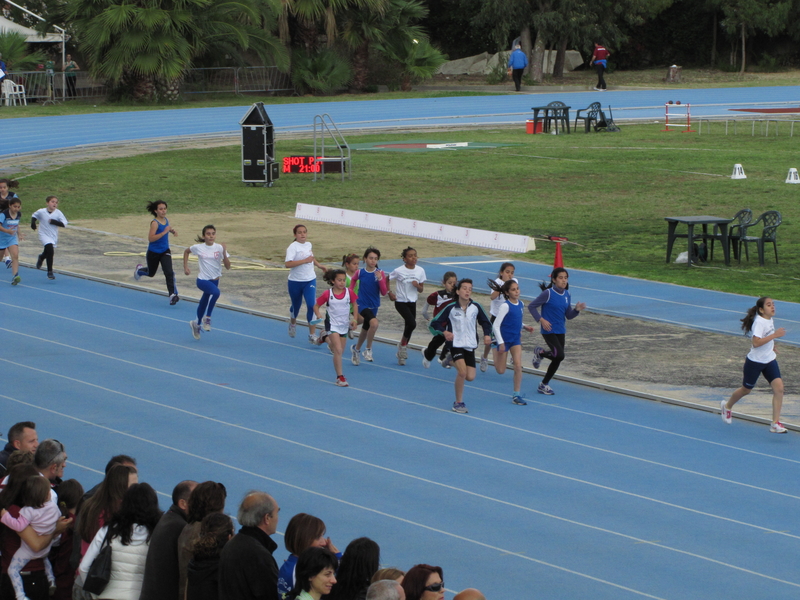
<point x="47" y="254"/>
<point x="407" y="310"/>
<point x="556" y="353"/>
<point x="165" y="260"/>
<point x="433" y="346"/>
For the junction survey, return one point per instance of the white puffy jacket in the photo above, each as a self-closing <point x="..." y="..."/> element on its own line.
<point x="127" y="564"/>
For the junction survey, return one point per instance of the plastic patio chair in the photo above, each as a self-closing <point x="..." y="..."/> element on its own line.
<point x="770" y="221"/>
<point x="743" y="217"/>
<point x="19" y="93"/>
<point x="7" y="90"/>
<point x="593" y="114"/>
<point x="559" y="117"/>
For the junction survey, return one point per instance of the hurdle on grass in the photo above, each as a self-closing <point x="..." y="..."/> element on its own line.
<point x="680" y="115"/>
<point x="481" y="238"/>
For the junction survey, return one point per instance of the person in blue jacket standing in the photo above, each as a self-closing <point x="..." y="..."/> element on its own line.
<point x="516" y="64"/>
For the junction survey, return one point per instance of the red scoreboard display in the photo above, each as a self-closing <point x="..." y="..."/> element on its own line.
<point x="309" y="164"/>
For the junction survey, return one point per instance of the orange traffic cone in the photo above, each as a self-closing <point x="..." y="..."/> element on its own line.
<point x="559" y="261"/>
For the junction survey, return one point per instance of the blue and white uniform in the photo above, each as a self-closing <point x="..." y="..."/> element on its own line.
<point x="556" y="307"/>
<point x="507" y="326"/>
<point x="9" y="239"/>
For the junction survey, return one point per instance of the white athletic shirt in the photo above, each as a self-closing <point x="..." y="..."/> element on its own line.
<point x="48" y="234"/>
<point x="500" y="300"/>
<point x="338" y="309"/>
<point x="404" y="276"/>
<point x="298" y="251"/>
<point x="762" y="328"/>
<point x="209" y="259"/>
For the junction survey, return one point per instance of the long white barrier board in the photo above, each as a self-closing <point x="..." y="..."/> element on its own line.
<point x="432" y="231"/>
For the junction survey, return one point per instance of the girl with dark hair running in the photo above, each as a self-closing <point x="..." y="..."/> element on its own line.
<point x="555" y="303"/>
<point x="342" y="307"/>
<point x="410" y="280"/>
<point x="761" y="360"/>
<point x="438" y="300"/>
<point x="210" y="258"/>
<point x="7" y="195"/>
<point x="158" y="252"/>
<point x="507" y="328"/>
<point x="369" y="283"/>
<point x="506" y="273"/>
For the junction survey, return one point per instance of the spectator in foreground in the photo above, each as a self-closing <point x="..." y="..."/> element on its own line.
<point x="129" y="536"/>
<point x="161" y="571"/>
<point x="392" y="573"/>
<point x="385" y="589"/>
<point x="247" y="569"/>
<point x="316" y="574"/>
<point x="208" y="497"/>
<point x="202" y="574"/>
<point x="424" y="582"/>
<point x="21" y="436"/>
<point x="362" y="557"/>
<point x="303" y="531"/>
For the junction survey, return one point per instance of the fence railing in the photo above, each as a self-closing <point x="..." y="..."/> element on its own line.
<point x="42" y="86"/>
<point x="236" y="80"/>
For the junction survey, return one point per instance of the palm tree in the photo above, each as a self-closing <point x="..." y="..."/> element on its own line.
<point x="145" y="48"/>
<point x="14" y="50"/>
<point x="363" y="28"/>
<point x="418" y="59"/>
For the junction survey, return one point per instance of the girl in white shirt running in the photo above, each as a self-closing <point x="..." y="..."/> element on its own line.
<point x="210" y="258"/>
<point x="48" y="220"/>
<point x="339" y="319"/>
<point x="761" y="360"/>
<point x="302" y="280"/>
<point x="409" y="284"/>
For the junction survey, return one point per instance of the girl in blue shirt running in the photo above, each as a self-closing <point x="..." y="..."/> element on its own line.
<point x="10" y="235"/>
<point x="158" y="252"/>
<point x="507" y="328"/>
<point x="555" y="303"/>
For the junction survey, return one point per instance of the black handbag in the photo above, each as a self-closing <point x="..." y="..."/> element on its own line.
<point x="100" y="572"/>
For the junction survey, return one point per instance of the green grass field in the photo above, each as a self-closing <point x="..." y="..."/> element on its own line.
<point x="607" y="192"/>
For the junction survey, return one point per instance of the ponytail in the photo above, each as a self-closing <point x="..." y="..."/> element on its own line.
<point x="747" y="322"/>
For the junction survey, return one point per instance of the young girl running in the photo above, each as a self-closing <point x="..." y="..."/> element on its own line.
<point x="370" y="283"/>
<point x="302" y="280"/>
<point x="41" y="513"/>
<point x="761" y="360"/>
<point x="158" y="252"/>
<point x="10" y="235"/>
<point x="210" y="258"/>
<point x="438" y="300"/>
<point x="350" y="263"/>
<point x="457" y="323"/>
<point x="338" y="320"/>
<point x="507" y="328"/>
<point x="556" y="306"/>
<point x="506" y="274"/>
<point x="410" y="280"/>
<point x="49" y="220"/>
<point x="7" y="195"/>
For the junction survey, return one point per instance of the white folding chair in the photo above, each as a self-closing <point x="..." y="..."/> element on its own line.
<point x="19" y="93"/>
<point x="7" y="93"/>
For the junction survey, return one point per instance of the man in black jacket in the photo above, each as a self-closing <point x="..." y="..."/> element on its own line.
<point x="161" y="567"/>
<point x="247" y="569"/>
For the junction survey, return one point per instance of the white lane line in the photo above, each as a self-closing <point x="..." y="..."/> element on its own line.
<point x="403" y="474"/>
<point x="367" y="391"/>
<point x="412" y="437"/>
<point x="394" y="517"/>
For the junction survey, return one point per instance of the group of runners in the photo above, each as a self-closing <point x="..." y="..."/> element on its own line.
<point x="354" y="300"/>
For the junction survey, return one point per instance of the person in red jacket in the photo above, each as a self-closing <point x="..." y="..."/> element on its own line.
<point x="599" y="60"/>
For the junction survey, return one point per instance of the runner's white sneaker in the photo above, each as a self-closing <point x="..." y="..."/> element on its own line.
<point x="367" y="354"/>
<point x="292" y="329"/>
<point x="777" y="427"/>
<point x="484" y="364"/>
<point x="725" y="412"/>
<point x="206" y="323"/>
<point x="195" y="329"/>
<point x="356" y="358"/>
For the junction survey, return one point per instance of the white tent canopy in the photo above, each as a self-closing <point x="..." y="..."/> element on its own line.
<point x="31" y="35"/>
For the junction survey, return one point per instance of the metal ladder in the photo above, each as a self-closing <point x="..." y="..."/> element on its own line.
<point x="324" y="124"/>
